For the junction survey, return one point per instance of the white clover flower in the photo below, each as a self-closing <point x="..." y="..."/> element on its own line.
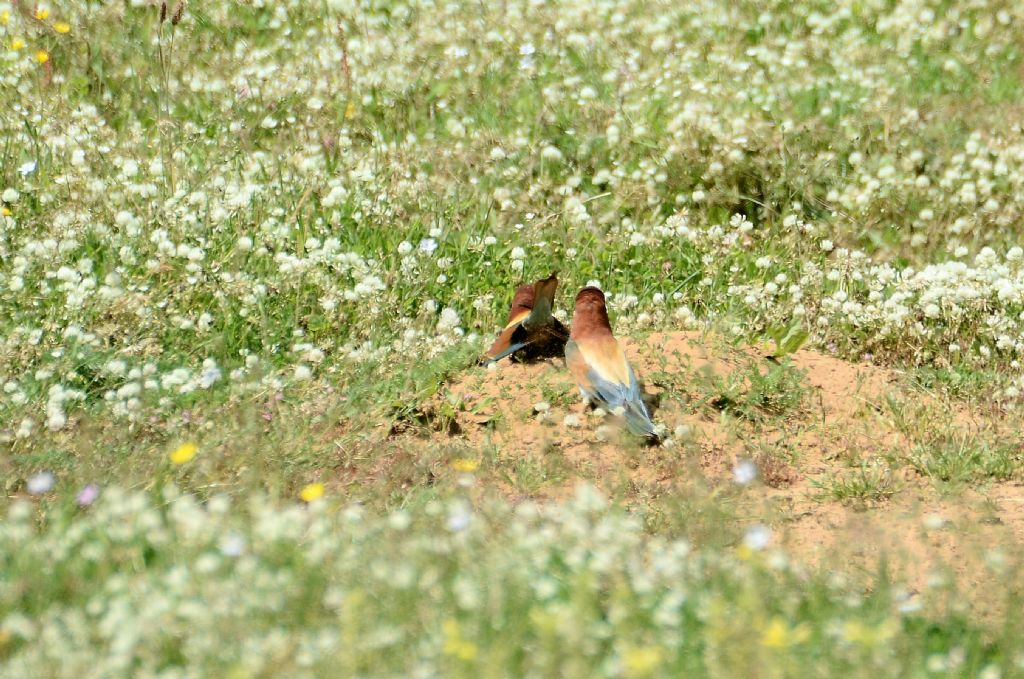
<point x="613" y="136"/>
<point x="459" y="518"/>
<point x="336" y="196"/>
<point x="757" y="537"/>
<point x="10" y="195"/>
<point x="55" y="418"/>
<point x="744" y="472"/>
<point x="211" y="374"/>
<point x="116" y="367"/>
<point x="25" y="428"/>
<point x="232" y="544"/>
<point x="551" y="153"/>
<point x="448" y="320"/>
<point x="40" y="483"/>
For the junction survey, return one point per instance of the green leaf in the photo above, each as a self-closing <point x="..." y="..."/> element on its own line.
<point x="792" y="341"/>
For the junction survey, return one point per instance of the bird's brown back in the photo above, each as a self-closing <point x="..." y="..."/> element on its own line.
<point x="522" y="301"/>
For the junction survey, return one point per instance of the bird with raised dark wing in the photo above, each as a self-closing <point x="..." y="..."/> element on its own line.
<point x="599" y="365"/>
<point x="531" y="331"/>
<point x="522" y="305"/>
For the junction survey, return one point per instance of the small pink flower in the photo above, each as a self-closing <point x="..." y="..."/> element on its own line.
<point x="88" y="495"/>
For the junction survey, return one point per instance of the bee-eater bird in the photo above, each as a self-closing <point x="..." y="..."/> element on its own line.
<point x="599" y="365"/>
<point x="531" y="331"/>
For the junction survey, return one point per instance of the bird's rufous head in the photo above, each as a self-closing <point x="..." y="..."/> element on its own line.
<point x="590" y="317"/>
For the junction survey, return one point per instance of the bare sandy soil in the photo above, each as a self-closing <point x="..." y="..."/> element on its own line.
<point x="844" y="420"/>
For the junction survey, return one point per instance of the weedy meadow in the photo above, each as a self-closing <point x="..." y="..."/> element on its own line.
<point x="252" y="252"/>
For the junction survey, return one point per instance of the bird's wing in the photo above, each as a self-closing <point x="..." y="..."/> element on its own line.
<point x="508" y="341"/>
<point x="579" y="369"/>
<point x="611" y="379"/>
<point x="517" y="320"/>
<point x="598" y="370"/>
<point x="543" y="302"/>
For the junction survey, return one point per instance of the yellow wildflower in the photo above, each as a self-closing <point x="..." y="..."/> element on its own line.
<point x="642" y="661"/>
<point x="454" y="644"/>
<point x="465" y="465"/>
<point x="867" y="635"/>
<point x="313" y="491"/>
<point x="42" y="57"/>
<point x="7" y="212"/>
<point x="184" y="453"/>
<point x="350" y="111"/>
<point x="42" y="13"/>
<point x="62" y="27"/>
<point x="779" y="635"/>
<point x="17" y="44"/>
<point x="5" y="16"/>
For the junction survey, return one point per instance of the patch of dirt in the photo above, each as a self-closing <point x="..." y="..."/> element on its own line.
<point x="972" y="542"/>
<point x="500" y="407"/>
<point x="838" y="417"/>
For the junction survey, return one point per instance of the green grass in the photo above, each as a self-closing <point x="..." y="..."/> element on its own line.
<point x="865" y="484"/>
<point x="757" y="390"/>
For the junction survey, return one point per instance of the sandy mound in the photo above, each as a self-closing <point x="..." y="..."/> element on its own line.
<point x="693" y="382"/>
<point x="804" y="424"/>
